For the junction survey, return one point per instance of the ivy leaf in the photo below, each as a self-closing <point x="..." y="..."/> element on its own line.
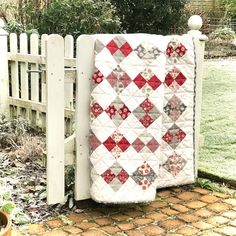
<point x="8" y="207"/>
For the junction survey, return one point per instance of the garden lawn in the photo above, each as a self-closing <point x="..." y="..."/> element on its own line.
<point x="218" y="122"/>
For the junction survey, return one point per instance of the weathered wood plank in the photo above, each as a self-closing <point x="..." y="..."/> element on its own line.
<point x="55" y="119"/>
<point x="85" y="57"/>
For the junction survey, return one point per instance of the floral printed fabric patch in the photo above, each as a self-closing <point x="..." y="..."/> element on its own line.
<point x="135" y="112"/>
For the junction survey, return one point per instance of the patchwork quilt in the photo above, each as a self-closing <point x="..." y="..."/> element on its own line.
<point x="142" y="116"/>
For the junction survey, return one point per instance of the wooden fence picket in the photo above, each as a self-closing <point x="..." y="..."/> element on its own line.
<point x="43" y="79"/>
<point x="55" y="119"/>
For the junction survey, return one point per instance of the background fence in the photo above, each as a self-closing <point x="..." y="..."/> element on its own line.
<point x="27" y="79"/>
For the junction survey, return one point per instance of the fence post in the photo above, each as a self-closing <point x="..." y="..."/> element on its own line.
<point x="195" y="24"/>
<point x="55" y="118"/>
<point x="4" y="77"/>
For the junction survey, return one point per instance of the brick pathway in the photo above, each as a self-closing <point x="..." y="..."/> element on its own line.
<point x="176" y="211"/>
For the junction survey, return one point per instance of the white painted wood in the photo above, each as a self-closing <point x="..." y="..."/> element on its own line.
<point x="24" y="68"/>
<point x="14" y="67"/>
<point x="85" y="64"/>
<point x="34" y="50"/>
<point x="55" y="119"/>
<point x="4" y="77"/>
<point x="195" y="24"/>
<point x="43" y="84"/>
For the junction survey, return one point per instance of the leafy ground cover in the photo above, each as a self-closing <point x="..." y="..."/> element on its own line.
<point x="218" y="123"/>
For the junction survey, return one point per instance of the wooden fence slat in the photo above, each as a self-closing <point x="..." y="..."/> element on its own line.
<point x="14" y="67"/>
<point x="55" y="119"/>
<point x="34" y="50"/>
<point x="43" y="52"/>
<point x="4" y="76"/>
<point x="85" y="57"/>
<point x="24" y="68"/>
<point x="69" y="53"/>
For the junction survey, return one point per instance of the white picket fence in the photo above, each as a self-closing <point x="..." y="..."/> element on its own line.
<point x="40" y="77"/>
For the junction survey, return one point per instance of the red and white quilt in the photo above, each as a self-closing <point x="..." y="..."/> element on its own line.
<point x="142" y="116"/>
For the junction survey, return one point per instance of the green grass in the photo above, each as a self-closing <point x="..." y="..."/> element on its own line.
<point x="218" y="123"/>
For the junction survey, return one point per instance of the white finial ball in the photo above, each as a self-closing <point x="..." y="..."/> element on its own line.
<point x="195" y="22"/>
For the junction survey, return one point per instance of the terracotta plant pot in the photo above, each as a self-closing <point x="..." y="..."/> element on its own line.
<point x="5" y="220"/>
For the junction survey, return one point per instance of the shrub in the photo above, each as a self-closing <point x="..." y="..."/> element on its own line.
<point x="16" y="27"/>
<point x="150" y="16"/>
<point x="79" y="17"/>
<point x="223" y="35"/>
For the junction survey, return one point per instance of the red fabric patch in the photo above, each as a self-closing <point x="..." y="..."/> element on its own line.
<point x="180" y="135"/>
<point x="109" y="144"/>
<point x="181" y="50"/>
<point x="98" y="77"/>
<point x="154" y="82"/>
<point x="112" y="47"/>
<point x="153" y="145"/>
<point x="94" y="142"/>
<point x="108" y="176"/>
<point x="126" y="49"/>
<point x="169" y="80"/>
<point x="111" y="111"/>
<point x="123" y="144"/>
<point x="122" y="176"/>
<point x="180" y="79"/>
<point x="138" y="145"/>
<point x="146" y="105"/>
<point x="96" y="109"/>
<point x="139" y="81"/>
<point x="146" y="120"/>
<point x="168" y="137"/>
<point x="124" y="112"/>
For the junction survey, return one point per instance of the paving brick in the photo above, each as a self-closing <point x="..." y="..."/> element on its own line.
<point x="103" y="221"/>
<point x="195" y="204"/>
<point x="186" y="196"/>
<point x="218" y="207"/>
<point x="72" y="229"/>
<point x="126" y="226"/>
<point x="153" y="230"/>
<point x="133" y="213"/>
<point x="95" y="214"/>
<point x="180" y="208"/>
<point x="57" y="232"/>
<point x="217" y="220"/>
<point x="227" y="230"/>
<point x="120" y="217"/>
<point x="202" y="225"/>
<point x="87" y="225"/>
<point x="93" y="233"/>
<point x="209" y="199"/>
<point x="233" y="223"/>
<point x="135" y="233"/>
<point x="54" y="223"/>
<point x="189" y="218"/>
<point x="77" y="218"/>
<point x="15" y="232"/>
<point x="164" y="193"/>
<point x="220" y="195"/>
<point x="171" y="224"/>
<point x="173" y="234"/>
<point x="201" y="190"/>
<point x="142" y="221"/>
<point x="110" y="229"/>
<point x="231" y="201"/>
<point x="36" y="228"/>
<point x="169" y="211"/>
<point x="158" y="204"/>
<point x="172" y="200"/>
<point x="157" y="216"/>
<point x="210" y="233"/>
<point x="188" y="230"/>
<point x="204" y="213"/>
<point x="230" y="214"/>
